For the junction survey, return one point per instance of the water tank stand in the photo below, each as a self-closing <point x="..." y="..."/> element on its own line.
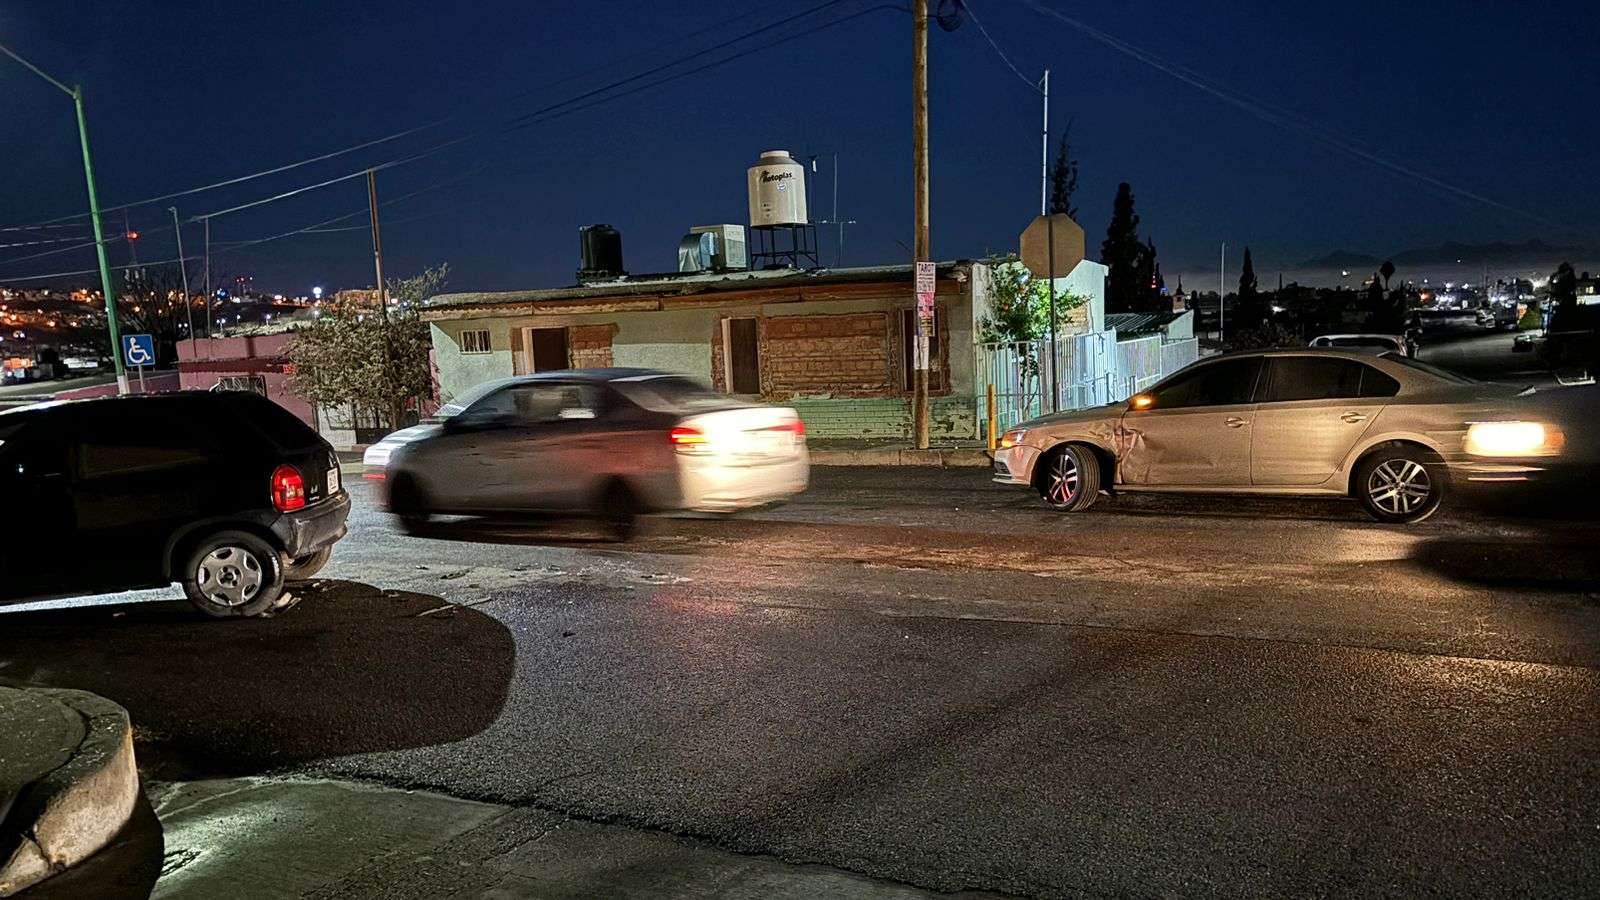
<point x="784" y="247"/>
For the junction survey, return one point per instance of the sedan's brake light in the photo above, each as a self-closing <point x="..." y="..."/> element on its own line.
<point x="288" y="489"/>
<point x="797" y="427"/>
<point x="689" y="440"/>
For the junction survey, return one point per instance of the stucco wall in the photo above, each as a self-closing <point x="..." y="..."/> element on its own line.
<point x="679" y="340"/>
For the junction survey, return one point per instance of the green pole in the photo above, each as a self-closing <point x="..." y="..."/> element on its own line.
<point x="100" y="246"/>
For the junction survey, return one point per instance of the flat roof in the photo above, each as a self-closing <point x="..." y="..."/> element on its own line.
<point x="688" y="285"/>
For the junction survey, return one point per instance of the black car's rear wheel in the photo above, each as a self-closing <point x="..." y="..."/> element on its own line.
<point x="233" y="574"/>
<point x="1070" y="479"/>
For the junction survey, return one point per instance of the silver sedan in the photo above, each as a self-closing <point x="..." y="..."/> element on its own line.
<point x="1393" y="432"/>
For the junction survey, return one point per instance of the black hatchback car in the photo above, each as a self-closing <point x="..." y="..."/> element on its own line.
<point x="226" y="493"/>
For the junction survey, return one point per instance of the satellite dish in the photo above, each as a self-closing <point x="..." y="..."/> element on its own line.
<point x="950" y="14"/>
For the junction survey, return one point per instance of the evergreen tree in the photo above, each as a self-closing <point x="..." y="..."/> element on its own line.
<point x="1252" y="308"/>
<point x="1121" y="252"/>
<point x="1064" y="178"/>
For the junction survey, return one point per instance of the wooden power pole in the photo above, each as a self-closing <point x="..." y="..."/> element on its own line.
<point x="919" y="165"/>
<point x="377" y="240"/>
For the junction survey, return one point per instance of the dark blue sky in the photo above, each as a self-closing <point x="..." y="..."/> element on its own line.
<point x="1493" y="99"/>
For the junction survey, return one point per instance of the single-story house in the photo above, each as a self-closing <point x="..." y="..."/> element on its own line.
<point x="835" y="344"/>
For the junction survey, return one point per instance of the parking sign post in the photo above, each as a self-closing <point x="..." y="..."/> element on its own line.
<point x="139" y="350"/>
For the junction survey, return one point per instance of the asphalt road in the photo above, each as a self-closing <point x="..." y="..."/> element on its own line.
<point x="920" y="676"/>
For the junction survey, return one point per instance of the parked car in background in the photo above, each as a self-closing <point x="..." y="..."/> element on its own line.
<point x="612" y="443"/>
<point x="228" y="494"/>
<point x="1393" y="432"/>
<point x="1361" y="343"/>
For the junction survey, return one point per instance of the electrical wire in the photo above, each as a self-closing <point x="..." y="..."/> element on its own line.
<point x="239" y="179"/>
<point x="1031" y="83"/>
<point x="652" y="71"/>
<point x="698" y="69"/>
<point x="1280" y="116"/>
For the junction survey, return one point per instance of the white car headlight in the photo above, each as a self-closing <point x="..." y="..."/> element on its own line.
<point x="1012" y="438"/>
<point x="1512" y="439"/>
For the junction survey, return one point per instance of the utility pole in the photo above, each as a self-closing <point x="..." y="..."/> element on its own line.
<point x="919" y="168"/>
<point x="76" y="93"/>
<point x="183" y="268"/>
<point x="1222" y="293"/>
<point x="1044" y="151"/>
<point x="377" y="240"/>
<point x="207" y="220"/>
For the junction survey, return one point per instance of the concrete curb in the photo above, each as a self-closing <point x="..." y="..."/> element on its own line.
<point x="74" y="810"/>
<point x="890" y="456"/>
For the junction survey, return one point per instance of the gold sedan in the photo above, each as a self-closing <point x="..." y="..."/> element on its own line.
<point x="1390" y="431"/>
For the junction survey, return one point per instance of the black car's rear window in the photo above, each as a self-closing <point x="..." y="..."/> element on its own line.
<point x="279" y="425"/>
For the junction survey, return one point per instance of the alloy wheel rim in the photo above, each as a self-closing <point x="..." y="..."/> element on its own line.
<point x="1063" y="487"/>
<point x="1399" y="486"/>
<point x="230" y="576"/>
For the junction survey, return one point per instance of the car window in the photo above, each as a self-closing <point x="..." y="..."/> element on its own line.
<point x="280" y="426"/>
<point x="670" y="393"/>
<point x="1435" y="371"/>
<point x="1212" y="384"/>
<point x="1313" y="378"/>
<point x="138" y="439"/>
<point x="533" y="404"/>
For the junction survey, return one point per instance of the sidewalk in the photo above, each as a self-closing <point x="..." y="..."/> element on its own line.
<point x="942" y="454"/>
<point x="294" y="837"/>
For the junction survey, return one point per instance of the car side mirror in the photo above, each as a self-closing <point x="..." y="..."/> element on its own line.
<point x="1139" y="402"/>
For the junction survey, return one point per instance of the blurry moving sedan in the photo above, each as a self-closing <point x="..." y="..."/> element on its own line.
<point x="609" y="442"/>
<point x="1393" y="432"/>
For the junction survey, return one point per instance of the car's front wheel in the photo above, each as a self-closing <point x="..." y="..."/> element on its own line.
<point x="1400" y="483"/>
<point x="1070" y="480"/>
<point x="233" y="574"/>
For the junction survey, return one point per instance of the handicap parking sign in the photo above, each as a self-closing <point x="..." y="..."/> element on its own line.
<point x="139" y="349"/>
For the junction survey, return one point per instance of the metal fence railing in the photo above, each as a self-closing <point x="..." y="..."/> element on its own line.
<point x="1091" y="370"/>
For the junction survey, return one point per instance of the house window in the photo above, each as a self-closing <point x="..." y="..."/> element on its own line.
<point x="475" y="342"/>
<point x="908" y="348"/>
<point x="742" y="355"/>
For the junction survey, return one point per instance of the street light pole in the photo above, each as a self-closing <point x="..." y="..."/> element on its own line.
<point x="183" y="267"/>
<point x="76" y="93"/>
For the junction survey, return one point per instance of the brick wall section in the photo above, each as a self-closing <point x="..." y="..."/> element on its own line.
<point x="841" y="355"/>
<point x="589" y="346"/>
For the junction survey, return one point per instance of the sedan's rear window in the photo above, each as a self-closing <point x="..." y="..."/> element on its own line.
<point x="1433" y="370"/>
<point x="669" y="393"/>
<point x="1326" y="378"/>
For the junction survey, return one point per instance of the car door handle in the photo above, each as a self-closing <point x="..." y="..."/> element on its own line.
<point x="1235" y="422"/>
<point x="1354" y="418"/>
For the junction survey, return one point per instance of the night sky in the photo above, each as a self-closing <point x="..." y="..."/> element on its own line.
<point x="1497" y="100"/>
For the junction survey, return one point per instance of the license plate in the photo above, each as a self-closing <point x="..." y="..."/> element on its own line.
<point x="333" y="482"/>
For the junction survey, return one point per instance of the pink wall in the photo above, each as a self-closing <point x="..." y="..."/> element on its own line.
<point x="201" y="363"/>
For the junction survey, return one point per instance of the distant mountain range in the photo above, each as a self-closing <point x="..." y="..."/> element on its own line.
<point x="1497" y="254"/>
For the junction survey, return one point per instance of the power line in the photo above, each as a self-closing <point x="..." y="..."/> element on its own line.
<point x="240" y="179"/>
<point x="648" y="72"/>
<point x="698" y="69"/>
<point x="1031" y="83"/>
<point x="1276" y="115"/>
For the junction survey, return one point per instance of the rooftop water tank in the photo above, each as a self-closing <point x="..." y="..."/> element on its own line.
<point x="777" y="190"/>
<point x="601" y="250"/>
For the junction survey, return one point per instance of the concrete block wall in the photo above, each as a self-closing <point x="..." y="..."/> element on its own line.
<point x="886" y="418"/>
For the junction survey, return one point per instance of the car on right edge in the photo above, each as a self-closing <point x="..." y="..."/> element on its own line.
<point x="1390" y="431"/>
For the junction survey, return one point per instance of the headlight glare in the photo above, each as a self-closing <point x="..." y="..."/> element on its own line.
<point x="1511" y="439"/>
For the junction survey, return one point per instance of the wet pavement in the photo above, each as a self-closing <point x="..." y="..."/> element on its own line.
<point x="919" y="677"/>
